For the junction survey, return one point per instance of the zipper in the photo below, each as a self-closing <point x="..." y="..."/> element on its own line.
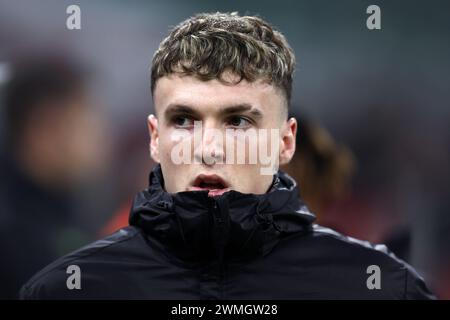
<point x="220" y="237"/>
<point x="219" y="232"/>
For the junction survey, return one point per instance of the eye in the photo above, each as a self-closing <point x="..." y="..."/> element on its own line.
<point x="182" y="121"/>
<point x="239" y="122"/>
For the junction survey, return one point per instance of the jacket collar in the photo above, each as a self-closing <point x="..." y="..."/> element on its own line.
<point x="194" y="227"/>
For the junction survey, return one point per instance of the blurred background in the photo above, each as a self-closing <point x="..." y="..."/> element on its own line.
<point x="373" y="109"/>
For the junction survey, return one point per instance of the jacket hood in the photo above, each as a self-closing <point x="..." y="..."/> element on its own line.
<point x="194" y="227"/>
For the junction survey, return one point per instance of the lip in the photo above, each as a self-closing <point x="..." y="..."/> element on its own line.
<point x="210" y="179"/>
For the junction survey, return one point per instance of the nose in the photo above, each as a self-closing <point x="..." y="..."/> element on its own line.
<point x="210" y="150"/>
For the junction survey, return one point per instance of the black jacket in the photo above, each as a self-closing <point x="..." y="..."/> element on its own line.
<point x="236" y="246"/>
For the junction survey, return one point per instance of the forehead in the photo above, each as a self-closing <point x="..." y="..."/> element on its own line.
<point x="213" y="95"/>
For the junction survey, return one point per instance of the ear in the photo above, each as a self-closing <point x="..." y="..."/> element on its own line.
<point x="287" y="145"/>
<point x="152" y="124"/>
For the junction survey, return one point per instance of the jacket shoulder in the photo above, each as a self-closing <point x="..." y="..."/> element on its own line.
<point x="338" y="241"/>
<point x="404" y="278"/>
<point x="50" y="282"/>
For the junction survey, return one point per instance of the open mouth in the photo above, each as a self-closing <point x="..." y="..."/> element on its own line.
<point x="213" y="183"/>
<point x="211" y="186"/>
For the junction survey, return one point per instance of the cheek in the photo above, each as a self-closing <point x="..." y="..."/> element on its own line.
<point x="166" y="142"/>
<point x="172" y="141"/>
<point x="271" y="144"/>
<point x="245" y="148"/>
<point x="265" y="144"/>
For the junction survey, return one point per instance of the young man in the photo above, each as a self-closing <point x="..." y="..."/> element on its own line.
<point x="214" y="222"/>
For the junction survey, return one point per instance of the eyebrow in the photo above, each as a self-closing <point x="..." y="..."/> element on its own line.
<point x="226" y="111"/>
<point x="244" y="107"/>
<point x="179" y="109"/>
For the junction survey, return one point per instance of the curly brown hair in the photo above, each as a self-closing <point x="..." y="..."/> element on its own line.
<point x="209" y="44"/>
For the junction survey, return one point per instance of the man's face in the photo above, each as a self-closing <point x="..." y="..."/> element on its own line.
<point x="220" y="137"/>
